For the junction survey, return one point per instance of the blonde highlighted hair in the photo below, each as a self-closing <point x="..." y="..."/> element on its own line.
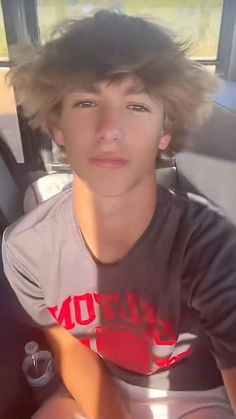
<point x="112" y="46"/>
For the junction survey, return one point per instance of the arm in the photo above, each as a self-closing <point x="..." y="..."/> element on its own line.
<point x="229" y="377"/>
<point x="86" y="377"/>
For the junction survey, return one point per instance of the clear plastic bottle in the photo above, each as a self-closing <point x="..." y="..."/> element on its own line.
<point x="37" y="365"/>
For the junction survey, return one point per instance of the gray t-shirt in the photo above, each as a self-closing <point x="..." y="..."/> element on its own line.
<point x="163" y="317"/>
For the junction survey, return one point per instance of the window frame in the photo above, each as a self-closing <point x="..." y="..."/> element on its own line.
<point x="226" y="56"/>
<point x="21" y="27"/>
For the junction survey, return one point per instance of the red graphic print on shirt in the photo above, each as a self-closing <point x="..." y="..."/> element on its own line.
<point x="127" y="331"/>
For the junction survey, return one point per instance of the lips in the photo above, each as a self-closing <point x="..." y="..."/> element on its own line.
<point x="109" y="162"/>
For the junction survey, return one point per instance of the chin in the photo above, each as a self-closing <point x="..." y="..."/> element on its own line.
<point x="109" y="186"/>
<point x="110" y="189"/>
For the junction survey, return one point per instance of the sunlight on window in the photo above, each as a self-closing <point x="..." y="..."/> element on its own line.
<point x="3" y="42"/>
<point x="195" y="20"/>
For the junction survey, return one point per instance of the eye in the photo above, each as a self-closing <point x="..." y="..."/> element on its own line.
<point x="84" y="104"/>
<point x="139" y="108"/>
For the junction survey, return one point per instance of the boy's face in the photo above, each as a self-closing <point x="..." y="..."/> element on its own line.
<point x="111" y="133"/>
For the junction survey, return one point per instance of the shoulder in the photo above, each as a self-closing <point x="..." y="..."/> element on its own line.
<point x="200" y="233"/>
<point x="197" y="215"/>
<point x="36" y="232"/>
<point x="205" y="242"/>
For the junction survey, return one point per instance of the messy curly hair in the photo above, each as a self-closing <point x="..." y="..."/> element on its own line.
<point x="112" y="46"/>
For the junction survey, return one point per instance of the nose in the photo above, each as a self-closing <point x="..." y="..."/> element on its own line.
<point x="109" y="128"/>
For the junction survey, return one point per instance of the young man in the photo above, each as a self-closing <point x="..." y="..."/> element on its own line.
<point x="134" y="286"/>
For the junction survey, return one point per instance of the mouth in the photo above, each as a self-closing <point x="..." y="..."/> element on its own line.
<point x="109" y="162"/>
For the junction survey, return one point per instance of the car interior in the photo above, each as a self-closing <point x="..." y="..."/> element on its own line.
<point x="204" y="170"/>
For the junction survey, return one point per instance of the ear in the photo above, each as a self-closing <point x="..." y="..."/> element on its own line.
<point x="165" y="141"/>
<point x="58" y="136"/>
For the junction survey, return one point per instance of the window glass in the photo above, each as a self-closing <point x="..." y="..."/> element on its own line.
<point x="195" y="20"/>
<point x="8" y="118"/>
<point x="3" y="42"/>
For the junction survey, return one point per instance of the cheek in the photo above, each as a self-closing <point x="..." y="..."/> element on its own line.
<point x="77" y="135"/>
<point x="146" y="137"/>
<point x="154" y="135"/>
<point x="149" y="125"/>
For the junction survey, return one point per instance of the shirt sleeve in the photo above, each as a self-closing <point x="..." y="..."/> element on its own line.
<point x="209" y="282"/>
<point x="25" y="285"/>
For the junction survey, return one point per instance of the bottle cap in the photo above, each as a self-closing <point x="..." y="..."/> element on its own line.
<point x="31" y="347"/>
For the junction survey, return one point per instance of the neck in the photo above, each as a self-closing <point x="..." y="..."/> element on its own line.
<point x="112" y="225"/>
